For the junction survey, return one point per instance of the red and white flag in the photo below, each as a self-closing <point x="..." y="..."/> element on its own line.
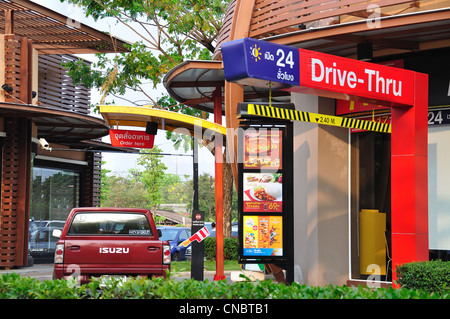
<point x="198" y="236"/>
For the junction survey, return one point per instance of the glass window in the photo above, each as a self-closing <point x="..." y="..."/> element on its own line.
<point x="54" y="193"/>
<point x="371" y="163"/>
<point x="184" y="235"/>
<point x="93" y="223"/>
<point x="168" y="234"/>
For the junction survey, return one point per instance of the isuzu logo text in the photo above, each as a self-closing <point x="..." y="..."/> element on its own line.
<point x="114" y="250"/>
<point x="338" y="74"/>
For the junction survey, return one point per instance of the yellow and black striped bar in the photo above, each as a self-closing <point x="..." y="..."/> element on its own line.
<point x="293" y="115"/>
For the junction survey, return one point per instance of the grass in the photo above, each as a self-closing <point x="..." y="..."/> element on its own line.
<point x="179" y="266"/>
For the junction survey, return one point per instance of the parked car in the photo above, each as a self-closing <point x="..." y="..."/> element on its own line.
<point x="212" y="230"/>
<point x="42" y="245"/>
<point x="176" y="235"/>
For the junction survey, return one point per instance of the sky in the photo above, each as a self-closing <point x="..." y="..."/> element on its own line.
<point x="119" y="163"/>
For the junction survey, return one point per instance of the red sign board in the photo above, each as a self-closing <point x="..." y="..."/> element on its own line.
<point x="129" y="138"/>
<point x="355" y="78"/>
<point x="350" y="107"/>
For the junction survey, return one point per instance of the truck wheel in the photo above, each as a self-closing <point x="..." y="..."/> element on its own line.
<point x="176" y="256"/>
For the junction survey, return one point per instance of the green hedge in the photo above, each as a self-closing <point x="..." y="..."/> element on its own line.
<point x="12" y="286"/>
<point x="431" y="276"/>
<point x="230" y="248"/>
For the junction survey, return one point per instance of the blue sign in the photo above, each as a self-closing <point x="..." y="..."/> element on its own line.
<point x="256" y="63"/>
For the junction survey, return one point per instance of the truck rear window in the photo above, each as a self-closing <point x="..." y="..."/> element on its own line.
<point x="94" y="223"/>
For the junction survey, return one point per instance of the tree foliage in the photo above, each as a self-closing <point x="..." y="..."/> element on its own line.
<point x="153" y="174"/>
<point x="169" y="32"/>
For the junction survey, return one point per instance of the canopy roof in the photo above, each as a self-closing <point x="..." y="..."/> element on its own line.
<point x="54" y="33"/>
<point x="58" y="125"/>
<point x="167" y="120"/>
<point x="193" y="83"/>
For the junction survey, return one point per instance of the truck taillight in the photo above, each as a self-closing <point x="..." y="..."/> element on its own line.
<point x="166" y="254"/>
<point x="59" y="254"/>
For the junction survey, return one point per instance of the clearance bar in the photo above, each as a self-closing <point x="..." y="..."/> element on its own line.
<point x="294" y="115"/>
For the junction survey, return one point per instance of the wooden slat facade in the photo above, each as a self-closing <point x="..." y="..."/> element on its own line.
<point x="55" y="90"/>
<point x="51" y="32"/>
<point x="272" y="17"/>
<point x="93" y="179"/>
<point x="56" y="87"/>
<point x="15" y="193"/>
<point x="337" y="26"/>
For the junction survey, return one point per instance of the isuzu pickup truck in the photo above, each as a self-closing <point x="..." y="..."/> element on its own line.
<point x="98" y="241"/>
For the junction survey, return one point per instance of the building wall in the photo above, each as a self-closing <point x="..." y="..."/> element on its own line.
<point x="321" y="236"/>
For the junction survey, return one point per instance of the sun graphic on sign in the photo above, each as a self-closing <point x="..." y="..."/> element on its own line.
<point x="256" y="52"/>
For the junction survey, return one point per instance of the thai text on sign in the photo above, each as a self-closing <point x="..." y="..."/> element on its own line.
<point x="129" y="138"/>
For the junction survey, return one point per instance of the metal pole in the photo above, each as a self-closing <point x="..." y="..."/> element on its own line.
<point x="219" y="186"/>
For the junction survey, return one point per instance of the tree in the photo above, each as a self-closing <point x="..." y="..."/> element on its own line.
<point x="153" y="174"/>
<point x="170" y="32"/>
<point x="104" y="187"/>
<point x="174" y="190"/>
<point x="125" y="192"/>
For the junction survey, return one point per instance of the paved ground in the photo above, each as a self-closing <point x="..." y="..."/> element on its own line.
<point x="38" y="271"/>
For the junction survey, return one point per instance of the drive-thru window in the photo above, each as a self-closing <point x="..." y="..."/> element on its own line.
<point x="258" y="63"/>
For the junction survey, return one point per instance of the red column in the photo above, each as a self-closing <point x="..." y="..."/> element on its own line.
<point x="218" y="186"/>
<point x="409" y="178"/>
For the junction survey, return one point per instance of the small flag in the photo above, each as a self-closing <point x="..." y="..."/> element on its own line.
<point x="198" y="236"/>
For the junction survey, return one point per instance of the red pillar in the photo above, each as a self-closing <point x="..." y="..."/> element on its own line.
<point x="409" y="171"/>
<point x="218" y="186"/>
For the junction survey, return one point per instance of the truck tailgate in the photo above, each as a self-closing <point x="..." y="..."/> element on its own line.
<point x="101" y="250"/>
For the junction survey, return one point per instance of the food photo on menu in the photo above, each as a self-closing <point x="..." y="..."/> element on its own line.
<point x="263" y="236"/>
<point x="263" y="192"/>
<point x="263" y="150"/>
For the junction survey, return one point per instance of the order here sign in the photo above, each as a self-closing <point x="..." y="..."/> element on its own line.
<point x="130" y="138"/>
<point x="256" y="62"/>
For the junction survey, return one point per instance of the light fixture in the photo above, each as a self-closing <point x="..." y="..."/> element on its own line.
<point x="151" y="128"/>
<point x="7" y="88"/>
<point x="33" y="94"/>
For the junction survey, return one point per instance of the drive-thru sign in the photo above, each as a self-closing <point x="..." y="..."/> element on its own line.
<point x="259" y="63"/>
<point x="254" y="62"/>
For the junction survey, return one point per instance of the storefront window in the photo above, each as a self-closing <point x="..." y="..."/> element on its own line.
<point x="54" y="192"/>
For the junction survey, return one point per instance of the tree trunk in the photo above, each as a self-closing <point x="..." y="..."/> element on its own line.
<point x="227" y="195"/>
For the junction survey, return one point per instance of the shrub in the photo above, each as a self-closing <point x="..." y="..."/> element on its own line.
<point x="230" y="248"/>
<point x="430" y="276"/>
<point x="12" y="286"/>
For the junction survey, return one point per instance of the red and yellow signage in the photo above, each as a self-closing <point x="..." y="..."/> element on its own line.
<point x="353" y="77"/>
<point x="263" y="192"/>
<point x="263" y="236"/>
<point x="129" y="138"/>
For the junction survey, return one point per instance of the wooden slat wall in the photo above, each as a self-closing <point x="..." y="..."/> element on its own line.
<point x="15" y="188"/>
<point x="225" y="30"/>
<point x="12" y="66"/>
<point x="93" y="180"/>
<point x="271" y="17"/>
<point x="56" y="87"/>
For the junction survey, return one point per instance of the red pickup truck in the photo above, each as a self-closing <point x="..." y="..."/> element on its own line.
<point x="97" y="241"/>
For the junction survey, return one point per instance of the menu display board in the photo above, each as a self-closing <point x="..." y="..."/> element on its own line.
<point x="263" y="235"/>
<point x="263" y="193"/>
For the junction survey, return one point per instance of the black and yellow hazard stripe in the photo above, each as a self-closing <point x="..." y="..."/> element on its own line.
<point x="293" y="115"/>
